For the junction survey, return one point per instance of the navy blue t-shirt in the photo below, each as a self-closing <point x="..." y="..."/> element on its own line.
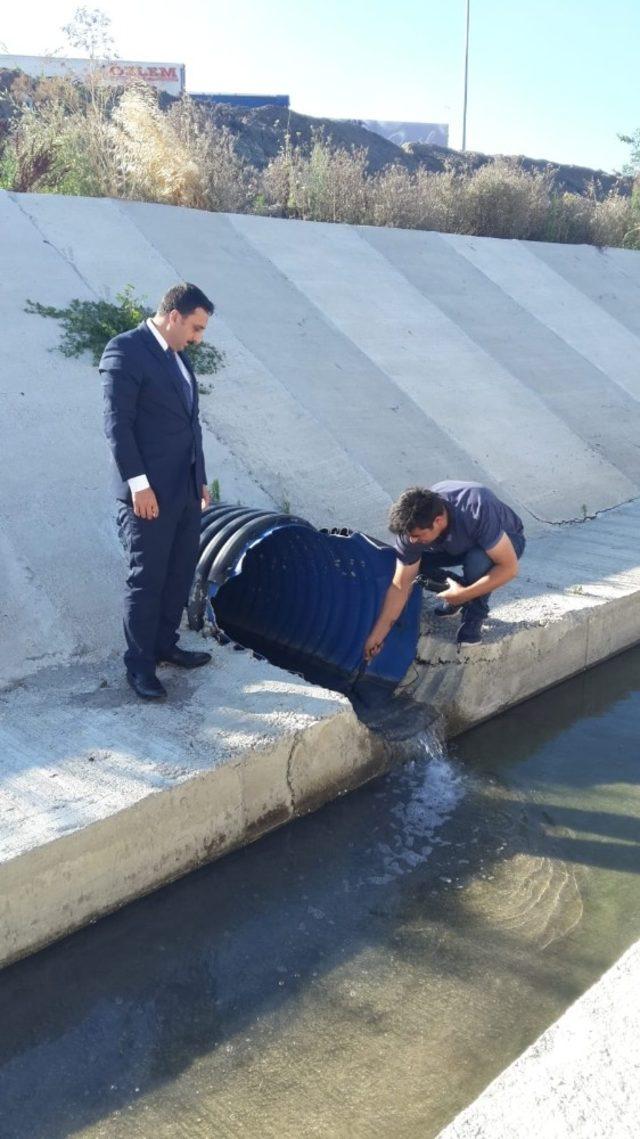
<point x="477" y="517"/>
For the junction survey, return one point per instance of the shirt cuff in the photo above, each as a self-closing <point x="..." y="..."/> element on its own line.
<point x="138" y="482"/>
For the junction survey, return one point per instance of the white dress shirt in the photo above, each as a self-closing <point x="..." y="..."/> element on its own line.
<point x="141" y="482"/>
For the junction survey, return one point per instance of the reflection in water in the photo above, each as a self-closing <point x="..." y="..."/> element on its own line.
<point x="365" y="971"/>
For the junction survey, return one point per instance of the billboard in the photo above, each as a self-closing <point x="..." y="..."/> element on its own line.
<point x="167" y="77"/>
<point x="435" y="133"/>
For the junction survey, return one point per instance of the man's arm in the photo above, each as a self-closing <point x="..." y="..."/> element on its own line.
<point x="205" y="497"/>
<point x="505" y="567"/>
<point x="121" y="388"/>
<point x="395" y="600"/>
<point x="205" y="494"/>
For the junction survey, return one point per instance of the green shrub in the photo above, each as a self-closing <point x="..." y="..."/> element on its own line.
<point x="88" y="325"/>
<point x="328" y="184"/>
<point x="501" y="200"/>
<point x="60" y="142"/>
<point x="568" y="219"/>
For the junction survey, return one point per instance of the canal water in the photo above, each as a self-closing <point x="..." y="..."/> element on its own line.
<point x="363" y="972"/>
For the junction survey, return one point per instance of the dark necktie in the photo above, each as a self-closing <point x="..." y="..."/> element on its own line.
<point x="186" y="386"/>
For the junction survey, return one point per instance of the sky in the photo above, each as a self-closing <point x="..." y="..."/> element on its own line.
<point x="554" y="79"/>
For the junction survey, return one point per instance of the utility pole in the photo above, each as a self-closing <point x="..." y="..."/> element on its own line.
<point x="466" y="79"/>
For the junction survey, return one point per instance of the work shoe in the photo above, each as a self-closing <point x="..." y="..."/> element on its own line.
<point x="184" y="659"/>
<point x="146" y="685"/>
<point x="470" y="631"/>
<point x="444" y="609"/>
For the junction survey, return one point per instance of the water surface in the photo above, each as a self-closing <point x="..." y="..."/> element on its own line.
<point x="365" y="971"/>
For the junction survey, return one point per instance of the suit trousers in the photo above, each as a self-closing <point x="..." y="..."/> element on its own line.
<point x="162" y="558"/>
<point x="475" y="564"/>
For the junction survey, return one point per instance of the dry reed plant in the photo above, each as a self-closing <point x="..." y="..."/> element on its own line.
<point x="177" y="156"/>
<point x="153" y="165"/>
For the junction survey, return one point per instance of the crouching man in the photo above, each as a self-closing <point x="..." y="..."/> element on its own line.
<point x="453" y="524"/>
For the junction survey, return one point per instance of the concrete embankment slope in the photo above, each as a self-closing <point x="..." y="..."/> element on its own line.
<point x="358" y="361"/>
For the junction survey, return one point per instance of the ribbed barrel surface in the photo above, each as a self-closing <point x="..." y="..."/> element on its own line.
<point x="303" y="598"/>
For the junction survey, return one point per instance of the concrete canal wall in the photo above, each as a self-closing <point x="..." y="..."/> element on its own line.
<point x="358" y="361"/>
<point x="581" y="1078"/>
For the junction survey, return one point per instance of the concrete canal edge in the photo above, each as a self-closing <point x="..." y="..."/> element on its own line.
<point x="94" y="865"/>
<point x="51" y="889"/>
<point x="579" y="1080"/>
<point x="471" y="685"/>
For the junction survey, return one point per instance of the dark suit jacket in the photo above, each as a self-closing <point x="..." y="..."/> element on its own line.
<point x="147" y="418"/>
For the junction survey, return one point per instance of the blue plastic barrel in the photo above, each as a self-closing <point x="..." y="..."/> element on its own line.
<point x="303" y="598"/>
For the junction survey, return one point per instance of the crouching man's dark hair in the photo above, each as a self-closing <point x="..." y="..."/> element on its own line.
<point x="186" y="299"/>
<point x="416" y="509"/>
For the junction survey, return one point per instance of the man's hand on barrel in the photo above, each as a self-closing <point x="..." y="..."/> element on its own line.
<point x="394" y="602"/>
<point x="372" y="646"/>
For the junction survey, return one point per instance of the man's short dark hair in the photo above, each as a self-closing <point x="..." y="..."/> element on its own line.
<point x="416" y="509"/>
<point x="186" y="299"/>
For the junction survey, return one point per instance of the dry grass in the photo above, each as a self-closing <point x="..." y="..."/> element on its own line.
<point x="152" y="164"/>
<point x="415" y="201"/>
<point x="92" y="141"/>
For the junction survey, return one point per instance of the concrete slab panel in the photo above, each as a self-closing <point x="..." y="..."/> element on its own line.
<point x="608" y="277"/>
<point x="287" y="452"/>
<point x="591" y="405"/>
<point x="368" y="416"/>
<point x="55" y="503"/>
<point x="527" y="450"/>
<point x="596" y="335"/>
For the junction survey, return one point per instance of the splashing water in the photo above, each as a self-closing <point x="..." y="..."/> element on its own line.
<point x="427" y="789"/>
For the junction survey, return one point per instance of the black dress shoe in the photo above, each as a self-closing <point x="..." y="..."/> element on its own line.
<point x="184" y="659"/>
<point x="147" y="685"/>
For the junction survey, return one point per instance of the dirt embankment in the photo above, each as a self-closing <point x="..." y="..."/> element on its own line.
<point x="260" y="133"/>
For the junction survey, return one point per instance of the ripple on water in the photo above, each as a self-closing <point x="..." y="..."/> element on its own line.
<point x="535" y="897"/>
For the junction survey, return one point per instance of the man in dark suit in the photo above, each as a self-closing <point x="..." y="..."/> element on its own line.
<point x="151" y="422"/>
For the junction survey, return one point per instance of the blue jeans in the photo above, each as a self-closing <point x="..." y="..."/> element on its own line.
<point x="475" y="564"/>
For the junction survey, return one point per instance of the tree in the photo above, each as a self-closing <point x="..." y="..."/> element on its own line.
<point x="89" y="30"/>
<point x="632" y="168"/>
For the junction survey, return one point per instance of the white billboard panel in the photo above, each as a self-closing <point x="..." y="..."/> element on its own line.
<point x="435" y="133"/>
<point x="167" y="77"/>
